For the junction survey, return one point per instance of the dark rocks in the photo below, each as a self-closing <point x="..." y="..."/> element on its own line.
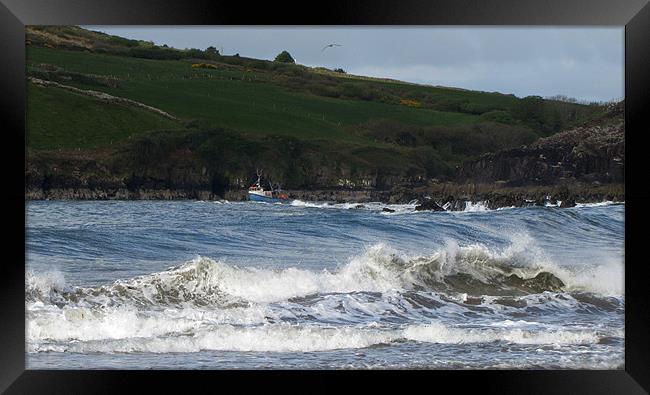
<point x="429" y="205"/>
<point x="401" y="194"/>
<point x="543" y="281"/>
<point x="541" y="202"/>
<point x="495" y="201"/>
<point x="474" y="301"/>
<point x="118" y="194"/>
<point x="568" y="203"/>
<point x="387" y="210"/>
<point x="454" y="204"/>
<point x="593" y="152"/>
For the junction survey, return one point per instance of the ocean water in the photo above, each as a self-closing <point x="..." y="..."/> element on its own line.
<point x="219" y="285"/>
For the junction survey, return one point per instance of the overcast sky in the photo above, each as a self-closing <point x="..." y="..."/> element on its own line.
<point x="582" y="62"/>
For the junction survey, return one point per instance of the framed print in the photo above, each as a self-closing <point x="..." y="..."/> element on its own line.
<point x="218" y="190"/>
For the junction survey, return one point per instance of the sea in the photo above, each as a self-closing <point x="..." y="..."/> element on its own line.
<point x="318" y="285"/>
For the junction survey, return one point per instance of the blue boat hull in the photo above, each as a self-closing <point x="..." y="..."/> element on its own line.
<point x="257" y="198"/>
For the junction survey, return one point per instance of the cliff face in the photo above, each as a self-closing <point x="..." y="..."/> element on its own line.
<point x="179" y="174"/>
<point x="593" y="152"/>
<point x="567" y="166"/>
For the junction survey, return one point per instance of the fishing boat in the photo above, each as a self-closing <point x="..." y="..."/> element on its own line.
<point x="256" y="193"/>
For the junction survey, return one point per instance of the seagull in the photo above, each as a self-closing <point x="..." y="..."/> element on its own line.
<point x="330" y="45"/>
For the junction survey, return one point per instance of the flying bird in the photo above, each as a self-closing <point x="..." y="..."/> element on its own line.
<point x="330" y="45"/>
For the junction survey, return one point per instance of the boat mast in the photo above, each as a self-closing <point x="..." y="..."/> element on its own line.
<point x="259" y="177"/>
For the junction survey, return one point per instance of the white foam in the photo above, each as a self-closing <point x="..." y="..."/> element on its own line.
<point x="475" y="206"/>
<point x="438" y="333"/>
<point x="370" y="206"/>
<point x="140" y="315"/>
<point x="44" y="283"/>
<point x="378" y="269"/>
<point x="598" y="204"/>
<point x="305" y="338"/>
<point x="209" y="305"/>
<point x="605" y="279"/>
<point x="302" y="203"/>
<point x="124" y="322"/>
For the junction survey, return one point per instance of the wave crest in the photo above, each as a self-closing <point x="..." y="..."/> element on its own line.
<point x="476" y="270"/>
<point x="291" y="338"/>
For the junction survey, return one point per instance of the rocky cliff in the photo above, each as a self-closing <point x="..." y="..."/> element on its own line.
<point x="593" y="152"/>
<point x="583" y="164"/>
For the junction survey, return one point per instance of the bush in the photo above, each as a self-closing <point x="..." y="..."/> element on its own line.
<point x="259" y="64"/>
<point x="122" y="41"/>
<point x="497" y="116"/>
<point x="212" y="52"/>
<point x="430" y="160"/>
<point x="410" y="102"/>
<point x="324" y="90"/>
<point x="451" y="142"/>
<point x="204" y="66"/>
<point x="153" y="147"/>
<point x="475" y="108"/>
<point x="356" y="91"/>
<point x="453" y="105"/>
<point x="195" y="53"/>
<point x="155" y="53"/>
<point x="284" y="57"/>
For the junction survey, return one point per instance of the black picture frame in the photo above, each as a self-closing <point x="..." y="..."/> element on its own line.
<point x="633" y="14"/>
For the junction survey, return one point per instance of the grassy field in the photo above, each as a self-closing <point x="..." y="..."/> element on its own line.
<point x="67" y="120"/>
<point x="222" y="98"/>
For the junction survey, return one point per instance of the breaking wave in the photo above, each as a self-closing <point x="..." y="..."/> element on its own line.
<point x="526" y="287"/>
<point x="291" y="338"/>
<point x="205" y="304"/>
<point x="385" y="208"/>
<point x="388" y="209"/>
<point x="476" y="270"/>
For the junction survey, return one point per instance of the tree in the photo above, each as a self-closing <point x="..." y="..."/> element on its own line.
<point x="284" y="57"/>
<point x="530" y="108"/>
<point x="212" y="52"/>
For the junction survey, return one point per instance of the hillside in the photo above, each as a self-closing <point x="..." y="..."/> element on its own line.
<point x="592" y="152"/>
<point x="116" y="117"/>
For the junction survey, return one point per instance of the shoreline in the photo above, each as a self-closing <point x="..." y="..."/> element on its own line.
<point x="453" y="197"/>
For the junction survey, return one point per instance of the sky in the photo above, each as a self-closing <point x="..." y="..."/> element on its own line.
<point x="586" y="63"/>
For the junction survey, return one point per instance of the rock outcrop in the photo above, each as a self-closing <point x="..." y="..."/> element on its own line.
<point x="429" y="205"/>
<point x="593" y="153"/>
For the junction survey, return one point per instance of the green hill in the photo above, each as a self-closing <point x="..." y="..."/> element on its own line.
<point x="104" y="95"/>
